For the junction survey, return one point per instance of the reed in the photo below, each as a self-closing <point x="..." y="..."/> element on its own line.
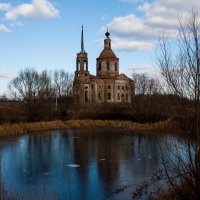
<point x="9" y="129"/>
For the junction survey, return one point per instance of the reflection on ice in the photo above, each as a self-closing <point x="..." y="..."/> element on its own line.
<point x="85" y="163"/>
<point x="73" y="165"/>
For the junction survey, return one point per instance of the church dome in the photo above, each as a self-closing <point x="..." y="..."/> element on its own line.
<point x="107" y="53"/>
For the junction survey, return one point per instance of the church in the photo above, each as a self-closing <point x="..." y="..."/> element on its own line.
<point x="108" y="86"/>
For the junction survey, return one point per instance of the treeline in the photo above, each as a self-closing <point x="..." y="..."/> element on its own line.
<point x="38" y="96"/>
<point x="48" y="96"/>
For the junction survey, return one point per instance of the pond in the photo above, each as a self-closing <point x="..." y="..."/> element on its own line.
<point x="77" y="164"/>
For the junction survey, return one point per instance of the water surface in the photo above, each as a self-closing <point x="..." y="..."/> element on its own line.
<point x="78" y="164"/>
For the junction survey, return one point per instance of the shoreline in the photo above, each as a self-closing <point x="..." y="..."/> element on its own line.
<point x="17" y="129"/>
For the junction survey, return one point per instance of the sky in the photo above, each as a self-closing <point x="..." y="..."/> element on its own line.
<point x="46" y="34"/>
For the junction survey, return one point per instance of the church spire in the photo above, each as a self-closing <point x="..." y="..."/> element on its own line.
<point x="82" y="42"/>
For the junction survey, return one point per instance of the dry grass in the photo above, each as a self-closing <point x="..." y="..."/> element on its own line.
<point x="9" y="129"/>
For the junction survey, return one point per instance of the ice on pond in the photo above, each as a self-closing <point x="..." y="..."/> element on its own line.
<point x="73" y="165"/>
<point x="102" y="159"/>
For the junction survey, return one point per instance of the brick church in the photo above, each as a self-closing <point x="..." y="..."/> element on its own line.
<point x="108" y="86"/>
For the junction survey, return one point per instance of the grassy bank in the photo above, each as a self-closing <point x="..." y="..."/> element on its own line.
<point x="8" y="129"/>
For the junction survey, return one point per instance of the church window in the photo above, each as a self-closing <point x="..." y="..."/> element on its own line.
<point x="109" y="86"/>
<point x="115" y="66"/>
<point x="91" y="86"/>
<point x="126" y="97"/>
<point x="118" y="87"/>
<point x="126" y="87"/>
<point x="108" y="65"/>
<point x="78" y="65"/>
<point x="85" y="65"/>
<point x="122" y="98"/>
<point x="118" y="96"/>
<point x="99" y="66"/>
<point x="109" y="96"/>
<point x="122" y="87"/>
<point x="86" y="96"/>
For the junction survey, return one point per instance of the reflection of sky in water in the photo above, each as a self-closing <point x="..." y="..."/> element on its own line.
<point x="84" y="164"/>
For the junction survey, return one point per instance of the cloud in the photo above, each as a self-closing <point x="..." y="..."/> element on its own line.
<point x="128" y="45"/>
<point x="37" y="9"/>
<point x="5" y="6"/>
<point x="149" y="70"/>
<point x="133" y="26"/>
<point x="150" y="21"/>
<point x="4" y="74"/>
<point x="3" y="28"/>
<point x="144" y="68"/>
<point x="16" y="24"/>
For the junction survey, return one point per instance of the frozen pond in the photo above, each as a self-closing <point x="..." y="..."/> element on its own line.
<point x="87" y="164"/>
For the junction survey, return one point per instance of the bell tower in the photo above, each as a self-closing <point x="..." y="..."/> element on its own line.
<point x="81" y="76"/>
<point x="81" y="60"/>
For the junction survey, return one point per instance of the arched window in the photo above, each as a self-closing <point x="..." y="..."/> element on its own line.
<point x="115" y="66"/>
<point x="85" y="65"/>
<point x="99" y="96"/>
<point x="78" y="65"/>
<point x="122" y="98"/>
<point x="118" y="96"/>
<point x="109" y="96"/>
<point x="108" y="65"/>
<point x="86" y="96"/>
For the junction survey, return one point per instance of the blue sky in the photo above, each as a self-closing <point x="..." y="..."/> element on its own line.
<point x="45" y="34"/>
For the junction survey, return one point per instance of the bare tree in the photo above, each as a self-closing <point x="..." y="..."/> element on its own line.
<point x="147" y="89"/>
<point x="25" y="87"/>
<point x="181" y="71"/>
<point x="63" y="83"/>
<point x="145" y="84"/>
<point x="46" y="90"/>
<point x="181" y="157"/>
<point x="38" y="91"/>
